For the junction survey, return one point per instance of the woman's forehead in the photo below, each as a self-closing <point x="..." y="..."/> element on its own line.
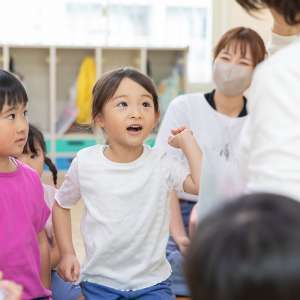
<point x="241" y="48"/>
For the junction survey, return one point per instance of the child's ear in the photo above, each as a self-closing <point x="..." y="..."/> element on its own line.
<point x="99" y="120"/>
<point x="157" y="118"/>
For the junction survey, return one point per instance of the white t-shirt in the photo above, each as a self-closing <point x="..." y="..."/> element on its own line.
<point x="125" y="226"/>
<point x="278" y="42"/>
<point x="271" y="137"/>
<point x="218" y="137"/>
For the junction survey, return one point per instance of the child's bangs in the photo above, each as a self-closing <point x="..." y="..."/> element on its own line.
<point x="12" y="98"/>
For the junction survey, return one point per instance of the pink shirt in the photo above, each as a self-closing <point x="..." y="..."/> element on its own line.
<point x="23" y="214"/>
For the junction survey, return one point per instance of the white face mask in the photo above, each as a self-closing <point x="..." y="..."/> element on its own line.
<point x="231" y="79"/>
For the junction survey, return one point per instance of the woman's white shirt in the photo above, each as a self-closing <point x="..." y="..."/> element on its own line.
<point x="270" y="146"/>
<point x="214" y="132"/>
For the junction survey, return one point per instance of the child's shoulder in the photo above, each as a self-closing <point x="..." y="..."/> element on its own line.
<point x="27" y="170"/>
<point x="89" y="151"/>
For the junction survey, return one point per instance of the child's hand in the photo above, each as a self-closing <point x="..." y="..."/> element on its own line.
<point x="183" y="244"/>
<point x="179" y="137"/>
<point x="12" y="290"/>
<point x="69" y="268"/>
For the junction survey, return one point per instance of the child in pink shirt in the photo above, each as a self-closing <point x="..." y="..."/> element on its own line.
<point x="24" y="256"/>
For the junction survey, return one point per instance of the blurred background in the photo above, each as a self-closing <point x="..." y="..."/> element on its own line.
<point x="58" y="48"/>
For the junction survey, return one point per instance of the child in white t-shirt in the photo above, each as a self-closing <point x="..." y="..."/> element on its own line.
<point x="125" y="187"/>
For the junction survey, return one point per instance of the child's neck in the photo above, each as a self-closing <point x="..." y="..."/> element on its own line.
<point x="6" y="165"/>
<point x="120" y="154"/>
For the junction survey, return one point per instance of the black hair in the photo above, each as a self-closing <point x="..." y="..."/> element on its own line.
<point x="12" y="91"/>
<point x="248" y="249"/>
<point x="289" y="9"/>
<point x="36" y="136"/>
<point x="107" y="85"/>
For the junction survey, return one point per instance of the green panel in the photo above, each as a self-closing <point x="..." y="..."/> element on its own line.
<point x="150" y="141"/>
<point x="48" y="145"/>
<point x="73" y="145"/>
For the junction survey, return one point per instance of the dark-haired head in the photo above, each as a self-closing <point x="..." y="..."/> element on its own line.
<point x="108" y="84"/>
<point x="288" y="9"/>
<point x="249" y="249"/>
<point x="12" y="91"/>
<point x="35" y="153"/>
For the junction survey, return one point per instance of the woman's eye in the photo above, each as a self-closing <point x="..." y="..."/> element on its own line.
<point x="32" y="156"/>
<point x="146" y="104"/>
<point x="122" y="104"/>
<point x="225" y="58"/>
<point x="25" y="113"/>
<point x="243" y="63"/>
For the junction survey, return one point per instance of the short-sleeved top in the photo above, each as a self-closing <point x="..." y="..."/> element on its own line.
<point x="23" y="214"/>
<point x="218" y="137"/>
<point x="125" y="226"/>
<point x="270" y="144"/>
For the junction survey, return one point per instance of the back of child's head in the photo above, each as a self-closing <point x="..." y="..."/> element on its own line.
<point x="249" y="249"/>
<point x="12" y="91"/>
<point x="108" y="84"/>
<point x="35" y="142"/>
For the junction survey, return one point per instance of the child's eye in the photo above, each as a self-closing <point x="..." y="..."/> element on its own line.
<point x="122" y="104"/>
<point x="11" y="116"/>
<point x="32" y="156"/>
<point x="147" y="104"/>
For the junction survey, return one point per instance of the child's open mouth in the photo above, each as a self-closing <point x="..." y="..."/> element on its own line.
<point x="134" y="128"/>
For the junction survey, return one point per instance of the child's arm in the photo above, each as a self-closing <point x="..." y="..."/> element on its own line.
<point x="183" y="138"/>
<point x="193" y="221"/>
<point x="54" y="254"/>
<point x="176" y="227"/>
<point x="45" y="259"/>
<point x="68" y="267"/>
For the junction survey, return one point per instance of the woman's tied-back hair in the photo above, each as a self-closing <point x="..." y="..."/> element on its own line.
<point x="12" y="91"/>
<point x="107" y="85"/>
<point x="35" y="136"/>
<point x="243" y="37"/>
<point x="289" y="9"/>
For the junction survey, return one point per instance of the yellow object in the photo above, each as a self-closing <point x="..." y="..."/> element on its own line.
<point x="84" y="86"/>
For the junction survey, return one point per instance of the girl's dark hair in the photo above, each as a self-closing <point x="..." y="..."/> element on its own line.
<point x="12" y="91"/>
<point x="107" y="85"/>
<point x="243" y="37"/>
<point x="289" y="9"/>
<point x="36" y="136"/>
<point x="248" y="249"/>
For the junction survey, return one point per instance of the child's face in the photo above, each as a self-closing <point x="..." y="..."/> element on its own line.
<point x="13" y="130"/>
<point x="35" y="161"/>
<point x="129" y="116"/>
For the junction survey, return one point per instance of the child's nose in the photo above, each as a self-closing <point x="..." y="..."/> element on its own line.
<point x="135" y="112"/>
<point x="22" y="125"/>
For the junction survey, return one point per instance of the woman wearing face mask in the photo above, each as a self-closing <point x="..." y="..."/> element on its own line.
<point x="216" y="119"/>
